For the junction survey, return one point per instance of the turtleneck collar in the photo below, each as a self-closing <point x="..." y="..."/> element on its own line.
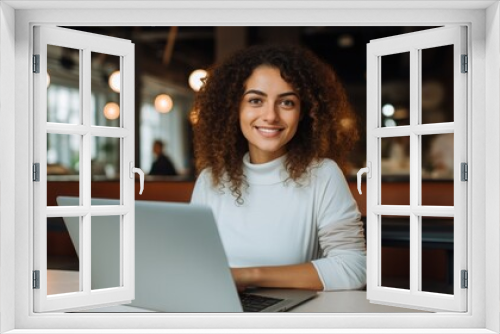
<point x="267" y="173"/>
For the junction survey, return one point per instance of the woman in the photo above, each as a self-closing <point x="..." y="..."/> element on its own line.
<point x="273" y="122"/>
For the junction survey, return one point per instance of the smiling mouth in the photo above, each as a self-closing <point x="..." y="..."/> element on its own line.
<point x="269" y="130"/>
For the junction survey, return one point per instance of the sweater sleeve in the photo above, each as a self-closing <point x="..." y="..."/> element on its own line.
<point x="200" y="191"/>
<point x="342" y="262"/>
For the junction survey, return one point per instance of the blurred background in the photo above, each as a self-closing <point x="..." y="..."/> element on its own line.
<point x="166" y="58"/>
<point x="169" y="62"/>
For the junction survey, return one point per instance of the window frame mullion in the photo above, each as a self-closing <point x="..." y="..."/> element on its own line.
<point x="415" y="169"/>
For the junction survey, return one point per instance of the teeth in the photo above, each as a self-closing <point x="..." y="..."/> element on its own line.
<point x="268" y="130"/>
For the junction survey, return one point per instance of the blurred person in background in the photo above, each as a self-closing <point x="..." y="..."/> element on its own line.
<point x="162" y="164"/>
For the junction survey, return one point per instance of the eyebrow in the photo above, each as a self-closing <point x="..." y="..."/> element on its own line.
<point x="261" y="93"/>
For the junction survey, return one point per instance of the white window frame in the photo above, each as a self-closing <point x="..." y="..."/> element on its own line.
<point x="483" y="314"/>
<point x="85" y="43"/>
<point x="414" y="44"/>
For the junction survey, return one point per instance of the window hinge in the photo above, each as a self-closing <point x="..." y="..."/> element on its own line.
<point x="36" y="172"/>
<point x="464" y="171"/>
<point x="36" y="63"/>
<point x="465" y="64"/>
<point x="465" y="279"/>
<point x="36" y="279"/>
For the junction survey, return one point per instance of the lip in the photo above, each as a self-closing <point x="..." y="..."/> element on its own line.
<point x="269" y="132"/>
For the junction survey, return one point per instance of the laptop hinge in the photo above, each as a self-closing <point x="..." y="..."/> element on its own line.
<point x="465" y="279"/>
<point x="36" y="279"/>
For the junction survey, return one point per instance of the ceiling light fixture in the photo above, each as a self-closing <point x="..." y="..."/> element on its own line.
<point x="194" y="116"/>
<point x="195" y="79"/>
<point x="111" y="110"/>
<point x="163" y="103"/>
<point x="345" y="41"/>
<point x="390" y="122"/>
<point x="388" y="110"/>
<point x="114" y="81"/>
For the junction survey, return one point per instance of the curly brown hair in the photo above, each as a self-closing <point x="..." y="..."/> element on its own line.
<point x="327" y="128"/>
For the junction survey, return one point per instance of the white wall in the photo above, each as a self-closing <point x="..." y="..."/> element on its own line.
<point x="492" y="162"/>
<point x="7" y="159"/>
<point x="215" y="17"/>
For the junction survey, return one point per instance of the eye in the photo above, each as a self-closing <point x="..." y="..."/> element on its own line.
<point x="288" y="103"/>
<point x="255" y="101"/>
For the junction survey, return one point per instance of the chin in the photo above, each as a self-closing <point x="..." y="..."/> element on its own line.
<point x="268" y="150"/>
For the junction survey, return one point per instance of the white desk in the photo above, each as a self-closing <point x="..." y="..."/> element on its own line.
<point x="60" y="281"/>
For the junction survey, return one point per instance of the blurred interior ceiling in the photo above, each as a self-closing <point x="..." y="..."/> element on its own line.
<point x="171" y="53"/>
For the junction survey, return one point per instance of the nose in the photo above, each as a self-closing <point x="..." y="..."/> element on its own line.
<point x="270" y="113"/>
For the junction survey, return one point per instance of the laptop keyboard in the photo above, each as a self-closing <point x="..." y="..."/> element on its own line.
<point x="254" y="303"/>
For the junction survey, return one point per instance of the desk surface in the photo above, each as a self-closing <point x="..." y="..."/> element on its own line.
<point x="60" y="281"/>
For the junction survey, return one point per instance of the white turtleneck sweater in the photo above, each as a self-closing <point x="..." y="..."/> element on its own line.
<point x="284" y="223"/>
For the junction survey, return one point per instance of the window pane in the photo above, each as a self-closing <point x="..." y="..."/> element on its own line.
<point x="171" y="131"/>
<point x="105" y="252"/>
<point x="63" y="85"/>
<point x="437" y="254"/>
<point x="105" y="167"/>
<point x="395" y="251"/>
<point x="63" y="166"/>
<point x="437" y="164"/>
<point x="395" y="81"/>
<point x="395" y="167"/>
<point x="62" y="240"/>
<point x="437" y="84"/>
<point x="106" y="86"/>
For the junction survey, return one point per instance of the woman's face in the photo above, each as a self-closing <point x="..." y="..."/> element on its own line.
<point x="269" y="114"/>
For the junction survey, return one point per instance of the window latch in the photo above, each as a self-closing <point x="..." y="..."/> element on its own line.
<point x="368" y="171"/>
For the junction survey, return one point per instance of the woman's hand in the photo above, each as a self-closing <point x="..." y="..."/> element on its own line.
<point x="301" y="276"/>
<point x="244" y="277"/>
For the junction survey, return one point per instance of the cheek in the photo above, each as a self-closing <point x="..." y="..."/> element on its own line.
<point x="246" y="118"/>
<point x="293" y="122"/>
<point x="245" y="125"/>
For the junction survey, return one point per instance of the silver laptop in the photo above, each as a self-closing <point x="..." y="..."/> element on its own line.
<point x="180" y="262"/>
